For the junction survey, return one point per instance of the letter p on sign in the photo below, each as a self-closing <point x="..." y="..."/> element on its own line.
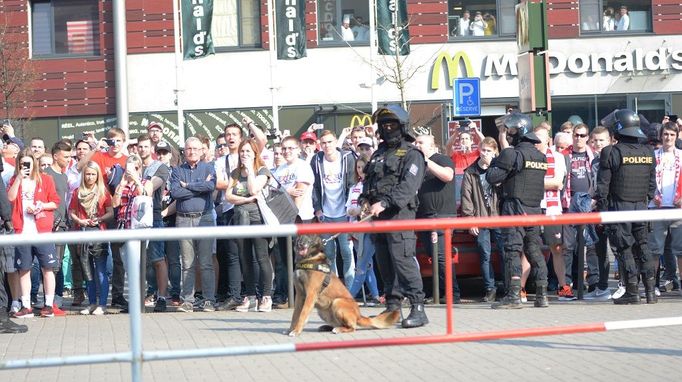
<point x="467" y="97"/>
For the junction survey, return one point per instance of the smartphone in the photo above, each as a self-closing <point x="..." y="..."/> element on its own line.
<point x="109" y="141"/>
<point x="25" y="165"/>
<point x="673" y="117"/>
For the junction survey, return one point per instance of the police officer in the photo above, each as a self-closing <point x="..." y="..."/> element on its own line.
<point x="6" y="255"/>
<point x="393" y="176"/>
<point x="626" y="182"/>
<point x="521" y="171"/>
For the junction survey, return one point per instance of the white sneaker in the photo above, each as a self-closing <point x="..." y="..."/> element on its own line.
<point x="248" y="303"/>
<point x="657" y="292"/>
<point x="89" y="310"/>
<point x="619" y="292"/>
<point x="99" y="311"/>
<point x="265" y="304"/>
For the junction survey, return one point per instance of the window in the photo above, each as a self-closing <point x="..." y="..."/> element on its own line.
<point x="340" y="22"/>
<point x="617" y="17"/>
<point x="236" y="23"/>
<point x="65" y="27"/>
<point x="482" y="18"/>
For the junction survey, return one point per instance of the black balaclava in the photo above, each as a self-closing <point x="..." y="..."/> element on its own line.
<point x="392" y="138"/>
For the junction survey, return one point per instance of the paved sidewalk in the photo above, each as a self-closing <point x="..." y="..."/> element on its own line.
<point x="627" y="354"/>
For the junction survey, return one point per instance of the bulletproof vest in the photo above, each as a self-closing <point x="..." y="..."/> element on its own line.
<point x="528" y="184"/>
<point x="630" y="179"/>
<point x="384" y="171"/>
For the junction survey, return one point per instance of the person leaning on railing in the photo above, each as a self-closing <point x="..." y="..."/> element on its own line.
<point x="90" y="208"/>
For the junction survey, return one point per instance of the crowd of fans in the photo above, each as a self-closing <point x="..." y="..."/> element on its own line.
<point x="90" y="184"/>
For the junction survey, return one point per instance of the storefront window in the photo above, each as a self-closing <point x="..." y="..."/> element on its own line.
<point x="236" y="24"/>
<point x="617" y="17"/>
<point x="342" y="21"/>
<point x="64" y="28"/>
<point x="481" y="18"/>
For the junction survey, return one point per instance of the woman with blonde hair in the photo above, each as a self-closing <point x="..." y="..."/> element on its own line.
<point x="90" y="208"/>
<point x="34" y="198"/>
<point x="247" y="181"/>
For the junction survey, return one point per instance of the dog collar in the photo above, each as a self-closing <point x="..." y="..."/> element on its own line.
<point x="324" y="268"/>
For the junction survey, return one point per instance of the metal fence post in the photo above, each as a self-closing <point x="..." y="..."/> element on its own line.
<point x="435" y="282"/>
<point x="134" y="310"/>
<point x="581" y="261"/>
<point x="290" y="271"/>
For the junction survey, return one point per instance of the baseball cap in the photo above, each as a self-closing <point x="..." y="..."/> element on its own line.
<point x="308" y="135"/>
<point x="16" y="141"/>
<point x="365" y="141"/>
<point x="155" y="125"/>
<point x="162" y="146"/>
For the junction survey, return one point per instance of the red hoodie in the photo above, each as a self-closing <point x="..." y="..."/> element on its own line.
<point x="45" y="193"/>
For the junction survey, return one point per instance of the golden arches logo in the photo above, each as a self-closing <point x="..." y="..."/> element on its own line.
<point x="452" y="67"/>
<point x="361" y="120"/>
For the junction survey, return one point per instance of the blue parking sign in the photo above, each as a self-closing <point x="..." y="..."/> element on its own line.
<point x="467" y="97"/>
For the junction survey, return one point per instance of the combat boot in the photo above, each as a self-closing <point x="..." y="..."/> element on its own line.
<point x="416" y="318"/>
<point x="631" y="295"/>
<point x="9" y="327"/>
<point x="650" y="290"/>
<point x="513" y="298"/>
<point x="541" y="300"/>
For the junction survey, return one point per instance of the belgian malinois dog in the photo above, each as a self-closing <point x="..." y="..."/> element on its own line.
<point x="316" y="286"/>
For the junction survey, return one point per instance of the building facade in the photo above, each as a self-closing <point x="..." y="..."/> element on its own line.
<point x="602" y="55"/>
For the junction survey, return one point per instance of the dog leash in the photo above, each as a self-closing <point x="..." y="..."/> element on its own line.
<point x="334" y="236"/>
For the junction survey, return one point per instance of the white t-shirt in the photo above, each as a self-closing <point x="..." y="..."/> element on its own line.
<point x="667" y="168"/>
<point x="334" y="201"/>
<point x="7" y="172"/>
<point x="299" y="172"/>
<point x="353" y="196"/>
<point x="28" y="188"/>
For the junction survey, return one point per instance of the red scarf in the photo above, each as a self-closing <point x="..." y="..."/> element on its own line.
<point x="552" y="198"/>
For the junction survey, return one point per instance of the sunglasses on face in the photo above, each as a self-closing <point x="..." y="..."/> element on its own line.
<point x="580" y="135"/>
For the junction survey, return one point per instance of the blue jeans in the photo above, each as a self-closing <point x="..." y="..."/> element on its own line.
<point x="346" y="254"/>
<point x="98" y="266"/>
<point x="156" y="251"/>
<point x="658" y="242"/>
<point x="174" y="269"/>
<point x="484" y="250"/>
<point x="365" y="268"/>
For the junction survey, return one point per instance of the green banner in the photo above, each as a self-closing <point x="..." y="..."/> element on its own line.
<point x="392" y="25"/>
<point x="196" y="28"/>
<point x="290" y="29"/>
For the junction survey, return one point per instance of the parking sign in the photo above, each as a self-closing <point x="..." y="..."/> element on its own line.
<point x="467" y="97"/>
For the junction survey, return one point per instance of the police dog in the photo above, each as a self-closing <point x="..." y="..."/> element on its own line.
<point x="316" y="286"/>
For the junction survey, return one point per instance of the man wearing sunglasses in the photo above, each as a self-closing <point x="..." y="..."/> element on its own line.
<point x="580" y="183"/>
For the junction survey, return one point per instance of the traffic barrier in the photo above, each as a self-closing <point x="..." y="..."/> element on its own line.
<point x="133" y="237"/>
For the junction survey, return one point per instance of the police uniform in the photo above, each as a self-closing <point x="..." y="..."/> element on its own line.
<point x="626" y="182"/>
<point x="393" y="176"/>
<point x="521" y="171"/>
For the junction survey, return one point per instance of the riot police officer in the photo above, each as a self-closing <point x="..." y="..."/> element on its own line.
<point x="521" y="171"/>
<point x="626" y="182"/>
<point x="393" y="176"/>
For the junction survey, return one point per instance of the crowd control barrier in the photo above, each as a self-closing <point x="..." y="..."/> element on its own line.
<point x="132" y="238"/>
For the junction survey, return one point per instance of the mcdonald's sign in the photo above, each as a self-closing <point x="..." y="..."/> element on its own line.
<point x="361" y="120"/>
<point x="452" y="67"/>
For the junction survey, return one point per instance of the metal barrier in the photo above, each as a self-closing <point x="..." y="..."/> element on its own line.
<point x="132" y="239"/>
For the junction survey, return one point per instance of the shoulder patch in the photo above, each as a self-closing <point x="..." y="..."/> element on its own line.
<point x="413" y="169"/>
<point x="400" y="152"/>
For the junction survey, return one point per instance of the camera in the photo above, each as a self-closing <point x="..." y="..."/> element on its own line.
<point x="673" y="117"/>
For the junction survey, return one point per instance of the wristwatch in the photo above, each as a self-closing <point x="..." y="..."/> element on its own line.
<point x="384" y="204"/>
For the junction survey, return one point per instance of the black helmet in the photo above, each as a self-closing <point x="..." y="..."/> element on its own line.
<point x="523" y="124"/>
<point x="393" y="113"/>
<point x="624" y="122"/>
